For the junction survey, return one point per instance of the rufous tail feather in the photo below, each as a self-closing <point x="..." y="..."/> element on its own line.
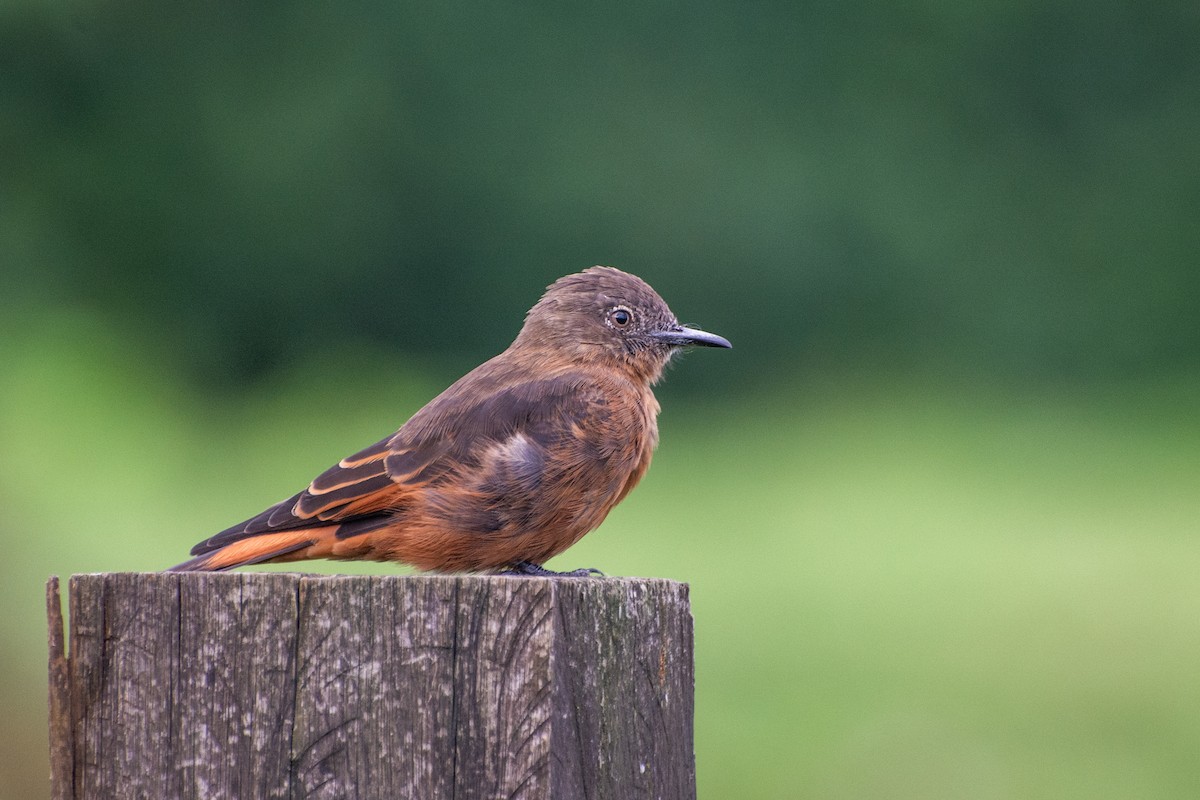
<point x="266" y="547"/>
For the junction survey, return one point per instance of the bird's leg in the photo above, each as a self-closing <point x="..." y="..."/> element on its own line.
<point x="538" y="571"/>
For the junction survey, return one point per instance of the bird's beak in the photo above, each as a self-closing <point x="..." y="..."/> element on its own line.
<point x="681" y="336"/>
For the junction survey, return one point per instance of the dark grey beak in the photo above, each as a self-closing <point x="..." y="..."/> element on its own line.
<point x="682" y="336"/>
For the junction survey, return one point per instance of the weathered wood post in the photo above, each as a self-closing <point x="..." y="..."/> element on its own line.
<point x="274" y="685"/>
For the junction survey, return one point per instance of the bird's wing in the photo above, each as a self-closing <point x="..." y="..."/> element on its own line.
<point x="454" y="431"/>
<point x="450" y="436"/>
<point x="355" y="489"/>
<point x="533" y="455"/>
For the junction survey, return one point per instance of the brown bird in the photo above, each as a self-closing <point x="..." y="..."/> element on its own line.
<point x="508" y="467"/>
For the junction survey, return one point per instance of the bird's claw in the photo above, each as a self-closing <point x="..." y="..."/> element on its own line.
<point x="530" y="569"/>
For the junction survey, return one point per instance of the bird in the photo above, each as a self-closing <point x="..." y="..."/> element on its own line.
<point x="509" y="466"/>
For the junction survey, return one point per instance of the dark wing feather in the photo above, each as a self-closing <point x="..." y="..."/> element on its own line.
<point x="445" y="438"/>
<point x="451" y="434"/>
<point x="326" y="500"/>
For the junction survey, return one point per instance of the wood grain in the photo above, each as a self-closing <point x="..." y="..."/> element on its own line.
<point x="274" y="685"/>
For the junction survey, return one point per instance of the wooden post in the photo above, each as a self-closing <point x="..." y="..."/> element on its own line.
<point x="280" y="685"/>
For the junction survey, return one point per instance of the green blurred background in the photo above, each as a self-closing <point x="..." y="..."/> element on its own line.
<point x="938" y="509"/>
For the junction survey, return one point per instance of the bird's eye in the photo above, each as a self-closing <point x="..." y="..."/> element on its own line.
<point x="620" y="316"/>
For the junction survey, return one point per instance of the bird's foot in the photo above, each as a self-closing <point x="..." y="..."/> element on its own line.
<point x="530" y="569"/>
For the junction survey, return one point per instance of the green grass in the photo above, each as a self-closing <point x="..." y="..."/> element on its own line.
<point x="901" y="589"/>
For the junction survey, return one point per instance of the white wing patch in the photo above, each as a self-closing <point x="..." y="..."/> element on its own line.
<point x="517" y="449"/>
<point x="518" y="458"/>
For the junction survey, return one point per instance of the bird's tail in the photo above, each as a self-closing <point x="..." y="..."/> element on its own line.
<point x="262" y="548"/>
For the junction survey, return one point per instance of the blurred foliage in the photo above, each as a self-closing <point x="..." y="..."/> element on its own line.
<point x="1003" y="185"/>
<point x="938" y="507"/>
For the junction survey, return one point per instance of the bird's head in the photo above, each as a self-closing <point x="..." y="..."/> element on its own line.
<point x="606" y="316"/>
